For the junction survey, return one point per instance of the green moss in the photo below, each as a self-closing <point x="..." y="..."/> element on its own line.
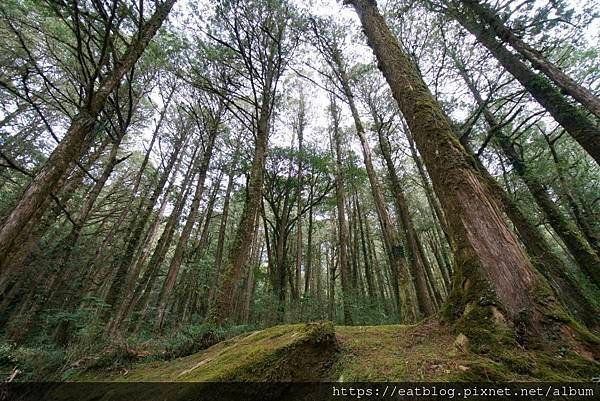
<point x="427" y="351"/>
<point x="565" y="366"/>
<point x="280" y="353"/>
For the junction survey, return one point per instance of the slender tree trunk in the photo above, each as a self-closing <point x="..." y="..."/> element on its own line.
<point x="416" y="257"/>
<point x="341" y="220"/>
<point x="126" y="305"/>
<point x="392" y="241"/>
<point x="536" y="58"/>
<point x="223" y="224"/>
<point x="570" y="117"/>
<point x="141" y="296"/>
<point x="366" y="260"/>
<point x="187" y="228"/>
<point x="581" y="218"/>
<point x="136" y="184"/>
<point x="299" y="177"/>
<point x="125" y="272"/>
<point x="73" y="145"/>
<point x="309" y="274"/>
<point x="239" y="252"/>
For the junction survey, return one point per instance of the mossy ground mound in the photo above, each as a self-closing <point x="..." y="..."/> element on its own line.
<point x="298" y="352"/>
<point x="429" y="351"/>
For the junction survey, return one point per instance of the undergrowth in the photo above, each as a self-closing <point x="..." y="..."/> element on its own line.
<point x="42" y="360"/>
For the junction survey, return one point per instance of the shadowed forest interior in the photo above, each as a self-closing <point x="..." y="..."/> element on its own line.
<point x="177" y="173"/>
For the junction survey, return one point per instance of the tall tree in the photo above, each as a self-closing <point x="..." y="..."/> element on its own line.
<point x="342" y="228"/>
<point x="489" y="259"/>
<point x="73" y="144"/>
<point x="255" y="33"/>
<point x="570" y="117"/>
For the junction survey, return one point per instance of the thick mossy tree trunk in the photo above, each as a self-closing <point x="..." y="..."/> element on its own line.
<point x="495" y="284"/>
<point x="576" y="243"/>
<point x="569" y="116"/>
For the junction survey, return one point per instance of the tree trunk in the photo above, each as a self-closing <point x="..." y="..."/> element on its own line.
<point x="488" y="257"/>
<point x="223" y="224"/>
<point x="187" y="228"/>
<point x="141" y="296"/>
<point x="341" y="218"/>
<point x="367" y="262"/>
<point x="299" y="177"/>
<point x="581" y="218"/>
<point x="240" y="250"/>
<point x="126" y="305"/>
<point x="536" y="58"/>
<point x="416" y="257"/>
<point x="73" y="145"/>
<point x="570" y="117"/>
<point x="126" y="269"/>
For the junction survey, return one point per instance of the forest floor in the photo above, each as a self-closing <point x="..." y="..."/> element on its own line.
<point x="428" y="351"/>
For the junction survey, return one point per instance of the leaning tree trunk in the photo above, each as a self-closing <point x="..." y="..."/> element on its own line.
<point x="73" y="145"/>
<point x="416" y="256"/>
<point x="494" y="281"/>
<point x="141" y="296"/>
<point x="187" y="228"/>
<point x="583" y="220"/>
<point x="536" y="58"/>
<point x="570" y="117"/>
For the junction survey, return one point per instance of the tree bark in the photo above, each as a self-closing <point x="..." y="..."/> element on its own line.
<point x="570" y="117"/>
<point x="536" y="58"/>
<point x="72" y="146"/>
<point x="488" y="257"/>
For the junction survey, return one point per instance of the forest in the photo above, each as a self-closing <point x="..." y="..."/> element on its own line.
<point x="421" y="176"/>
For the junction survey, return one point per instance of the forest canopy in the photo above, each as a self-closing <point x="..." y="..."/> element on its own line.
<point x="174" y="173"/>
